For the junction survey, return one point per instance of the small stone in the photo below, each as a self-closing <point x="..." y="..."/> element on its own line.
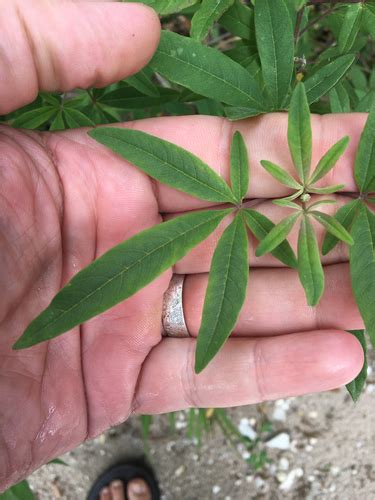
<point x="313" y="414"/>
<point x="181" y="424"/>
<point x="246" y="429"/>
<point x="332" y="488"/>
<point x="311" y="479"/>
<point x="279" y="442"/>
<point x="216" y="489"/>
<point x="289" y="481"/>
<point x="284" y="463"/>
<point x="313" y="441"/>
<point x="178" y="472"/>
<point x="281" y="476"/>
<point x="238" y="482"/>
<point x="249" y="479"/>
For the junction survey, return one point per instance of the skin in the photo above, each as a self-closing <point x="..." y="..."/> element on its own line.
<point x="65" y="200"/>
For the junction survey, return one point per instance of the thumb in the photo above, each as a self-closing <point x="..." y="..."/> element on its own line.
<point x="59" y="45"/>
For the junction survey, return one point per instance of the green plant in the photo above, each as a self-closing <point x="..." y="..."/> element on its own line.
<point x="125" y="269"/>
<point x="269" y="46"/>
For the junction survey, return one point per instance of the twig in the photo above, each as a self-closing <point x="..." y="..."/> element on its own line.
<point x="298" y="24"/>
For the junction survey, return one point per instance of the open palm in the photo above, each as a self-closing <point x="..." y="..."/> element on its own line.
<point x="65" y="200"/>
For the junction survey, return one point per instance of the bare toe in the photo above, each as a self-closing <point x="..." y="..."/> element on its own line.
<point x="138" y="490"/>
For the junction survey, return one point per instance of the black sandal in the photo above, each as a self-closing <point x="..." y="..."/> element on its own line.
<point x="125" y="472"/>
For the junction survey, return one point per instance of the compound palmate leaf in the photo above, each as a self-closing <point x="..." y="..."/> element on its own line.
<point x="206" y="71"/>
<point x="226" y="292"/>
<point x="166" y="162"/>
<point x="362" y="267"/>
<point x="120" y="273"/>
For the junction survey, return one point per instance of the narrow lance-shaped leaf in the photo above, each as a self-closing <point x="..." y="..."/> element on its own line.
<point x="321" y="82"/>
<point x="239" y="20"/>
<point x="299" y="132"/>
<point x="365" y="160"/>
<point x="350" y="27"/>
<point x="143" y="83"/>
<point x="277" y="235"/>
<point x="166" y="162"/>
<point x="309" y="265"/>
<point x="260" y="226"/>
<point x="166" y="7"/>
<point x="326" y="190"/>
<point x="329" y="160"/>
<point x="206" y="71"/>
<point x="280" y="174"/>
<point x="356" y="386"/>
<point x="20" y="491"/>
<point x="362" y="267"/>
<point x="339" y="99"/>
<point x="120" y="273"/>
<point x="287" y="203"/>
<point x="209" y="12"/>
<point x="345" y="216"/>
<point x="226" y="292"/>
<point x="239" y="167"/>
<point x="35" y="118"/>
<point x="275" y="41"/>
<point x="333" y="226"/>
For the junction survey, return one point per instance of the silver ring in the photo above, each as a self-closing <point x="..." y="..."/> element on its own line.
<point x="173" y="317"/>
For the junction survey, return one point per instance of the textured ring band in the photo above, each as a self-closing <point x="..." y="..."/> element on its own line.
<point x="173" y="317"/>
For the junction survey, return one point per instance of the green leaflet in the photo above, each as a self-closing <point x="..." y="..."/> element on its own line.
<point x="364" y="172"/>
<point x="20" y="491"/>
<point x="299" y="132"/>
<point x="327" y="190"/>
<point x="326" y="77"/>
<point x="286" y="203"/>
<point x="260" y="226"/>
<point x="369" y="19"/>
<point x="143" y="83"/>
<point x="209" y="12"/>
<point x="35" y="118"/>
<point x="345" y="216"/>
<point x="275" y="41"/>
<point x="339" y="99"/>
<point x="280" y="174"/>
<point x="76" y="119"/>
<point x="58" y="122"/>
<point x="329" y="160"/>
<point x="206" y="71"/>
<point x="277" y="235"/>
<point x="350" y="27"/>
<point x="239" y="20"/>
<point x="165" y="7"/>
<point x="239" y="167"/>
<point x="333" y="226"/>
<point x="240" y="113"/>
<point x="226" y="292"/>
<point x="362" y="267"/>
<point x="129" y="98"/>
<point x="166" y="162"/>
<point x="356" y="386"/>
<point x="120" y="273"/>
<point x="310" y="267"/>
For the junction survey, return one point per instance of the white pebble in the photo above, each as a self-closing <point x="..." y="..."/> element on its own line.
<point x="216" y="489"/>
<point x="291" y="478"/>
<point x="279" y="442"/>
<point x="284" y="463"/>
<point x="178" y="472"/>
<point x="246" y="429"/>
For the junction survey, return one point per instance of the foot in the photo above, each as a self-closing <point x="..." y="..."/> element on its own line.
<point x="137" y="489"/>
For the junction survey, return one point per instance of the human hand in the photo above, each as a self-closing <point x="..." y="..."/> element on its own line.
<point x="65" y="200"/>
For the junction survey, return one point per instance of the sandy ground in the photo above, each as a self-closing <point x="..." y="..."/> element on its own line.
<point x="321" y="446"/>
